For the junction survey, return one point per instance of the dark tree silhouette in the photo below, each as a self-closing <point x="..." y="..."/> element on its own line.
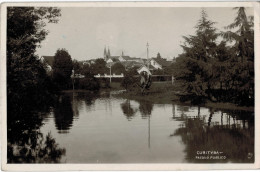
<point x="62" y="68"/>
<point x="63" y="114"/>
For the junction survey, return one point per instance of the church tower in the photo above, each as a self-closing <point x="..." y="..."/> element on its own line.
<point x="108" y="53"/>
<point x="105" y="54"/>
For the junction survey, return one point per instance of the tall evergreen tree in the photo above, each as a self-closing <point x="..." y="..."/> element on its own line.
<point x="199" y="53"/>
<point x="242" y="70"/>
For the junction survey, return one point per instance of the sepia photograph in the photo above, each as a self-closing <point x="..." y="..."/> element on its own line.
<point x="129" y="83"/>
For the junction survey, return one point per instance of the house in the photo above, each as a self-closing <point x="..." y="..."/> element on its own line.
<point x="159" y="63"/>
<point x="112" y="60"/>
<point x="144" y="68"/>
<point x="124" y="58"/>
<point x="131" y="64"/>
<point x="48" y="61"/>
<point x="89" y="62"/>
<point x="121" y="58"/>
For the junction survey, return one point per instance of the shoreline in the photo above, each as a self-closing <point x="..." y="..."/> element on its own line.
<point x="163" y="94"/>
<point x="170" y="98"/>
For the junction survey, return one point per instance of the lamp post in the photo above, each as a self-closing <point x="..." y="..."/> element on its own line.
<point x="110" y="72"/>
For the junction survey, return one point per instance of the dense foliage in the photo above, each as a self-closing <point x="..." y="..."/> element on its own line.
<point x="215" y="71"/>
<point x="62" y="68"/>
<point x="99" y="67"/>
<point x="118" y="69"/>
<point x="26" y="77"/>
<point x="28" y="86"/>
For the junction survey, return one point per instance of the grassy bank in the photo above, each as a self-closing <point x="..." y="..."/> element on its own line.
<point x="165" y="93"/>
<point x="160" y="93"/>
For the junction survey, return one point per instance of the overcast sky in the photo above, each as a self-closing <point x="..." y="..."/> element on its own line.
<point x="85" y="31"/>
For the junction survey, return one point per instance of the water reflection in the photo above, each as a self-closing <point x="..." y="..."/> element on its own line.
<point x="25" y="141"/>
<point x="233" y="137"/>
<point x="145" y="108"/>
<point x="99" y="121"/>
<point x="63" y="114"/>
<point x="128" y="110"/>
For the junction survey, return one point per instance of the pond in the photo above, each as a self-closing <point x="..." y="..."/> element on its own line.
<point x="101" y="128"/>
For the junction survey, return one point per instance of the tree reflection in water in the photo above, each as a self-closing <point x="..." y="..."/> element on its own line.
<point x="145" y="108"/>
<point x="66" y="109"/>
<point x="63" y="114"/>
<point x="26" y="143"/>
<point x="235" y="141"/>
<point x="88" y="97"/>
<point x="128" y="110"/>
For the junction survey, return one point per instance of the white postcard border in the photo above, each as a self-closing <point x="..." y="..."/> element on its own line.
<point x="166" y="166"/>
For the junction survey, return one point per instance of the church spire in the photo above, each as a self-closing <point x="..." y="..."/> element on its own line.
<point x="122" y="53"/>
<point x="105" y="53"/>
<point x="108" y="52"/>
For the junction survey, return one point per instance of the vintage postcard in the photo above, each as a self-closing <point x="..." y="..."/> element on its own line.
<point x="130" y="86"/>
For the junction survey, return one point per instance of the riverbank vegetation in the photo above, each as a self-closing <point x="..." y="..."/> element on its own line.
<point x="215" y="68"/>
<point x="30" y="91"/>
<point x="218" y="66"/>
<point x="166" y="93"/>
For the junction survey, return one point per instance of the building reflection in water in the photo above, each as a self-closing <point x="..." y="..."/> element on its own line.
<point x="213" y="130"/>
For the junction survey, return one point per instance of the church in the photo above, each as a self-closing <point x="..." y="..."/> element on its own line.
<point x="106" y="54"/>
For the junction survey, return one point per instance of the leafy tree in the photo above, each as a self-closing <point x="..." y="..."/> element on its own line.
<point x="86" y="70"/>
<point x="133" y="70"/>
<point x="118" y="68"/>
<point x="99" y="67"/>
<point x="62" y="68"/>
<point x="28" y="86"/>
<point x="129" y="81"/>
<point x="76" y="66"/>
<point x="158" y="55"/>
<point x="27" y="82"/>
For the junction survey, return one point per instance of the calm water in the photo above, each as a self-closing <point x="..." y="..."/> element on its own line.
<point x="99" y="128"/>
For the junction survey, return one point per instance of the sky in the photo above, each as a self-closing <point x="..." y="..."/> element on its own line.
<point x="86" y="31"/>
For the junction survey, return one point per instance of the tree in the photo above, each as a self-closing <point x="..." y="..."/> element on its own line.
<point x="76" y="66"/>
<point x="158" y="55"/>
<point x="25" y="31"/>
<point x="99" y="67"/>
<point x="199" y="53"/>
<point x="28" y="86"/>
<point x="62" y="68"/>
<point x="86" y="70"/>
<point x="118" y="68"/>
<point x="242" y="70"/>
<point x="129" y="81"/>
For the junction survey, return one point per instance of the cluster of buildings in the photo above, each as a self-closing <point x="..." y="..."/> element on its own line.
<point x="141" y="64"/>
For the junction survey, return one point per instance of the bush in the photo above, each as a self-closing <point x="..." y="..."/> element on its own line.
<point x="89" y="83"/>
<point x="128" y="81"/>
